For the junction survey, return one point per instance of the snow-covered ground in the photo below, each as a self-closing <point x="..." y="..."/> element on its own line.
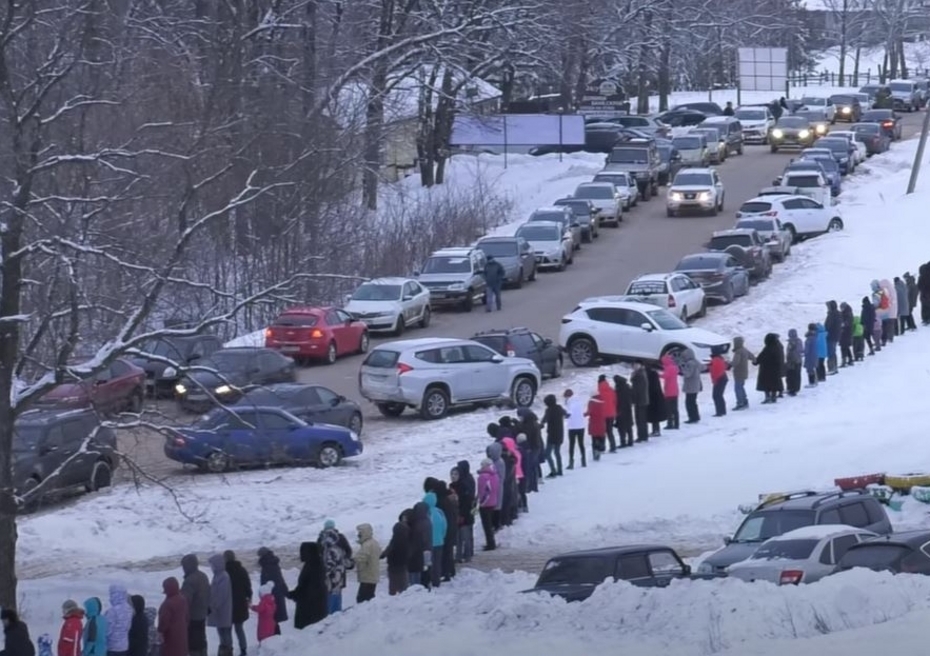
<point x="916" y="55"/>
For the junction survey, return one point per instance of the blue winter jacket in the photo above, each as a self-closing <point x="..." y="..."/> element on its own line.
<point x="95" y="629"/>
<point x="810" y="351"/>
<point x="821" y="341"/>
<point x="438" y="519"/>
<point x="119" y="619"/>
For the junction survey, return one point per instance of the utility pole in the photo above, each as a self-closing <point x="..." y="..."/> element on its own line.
<point x="919" y="156"/>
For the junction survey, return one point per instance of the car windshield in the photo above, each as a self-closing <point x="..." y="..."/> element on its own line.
<point x="647" y="287"/>
<point x="687" y="143"/>
<point x="372" y="292"/>
<point x="447" y="264"/>
<point x="803" y="181"/>
<point x="875" y="556"/>
<point x="161" y="347"/>
<point x="750" y="114"/>
<point x="870" y="90"/>
<point x="619" y="179"/>
<point x="666" y="320"/>
<point x="866" y="128"/>
<point x="539" y="233"/>
<point x="700" y="179"/>
<point x="814" y="102"/>
<point x="793" y="122"/>
<point x="764" y="524"/>
<point x="764" y="225"/>
<point x="591" y="191"/>
<point x="269" y="397"/>
<point x="755" y="207"/>
<point x="297" y="320"/>
<point x="836" y="145"/>
<point x="904" y="87"/>
<point x="26" y="438"/>
<point x="785" y="550"/>
<point x="584" y="571"/>
<point x="499" y="248"/>
<point x="699" y="263"/>
<point x="227" y="361"/>
<point x="842" y="100"/>
<point x="706" y="107"/>
<point x="547" y="216"/>
<point x="628" y="156"/>
<point x="721" y="242"/>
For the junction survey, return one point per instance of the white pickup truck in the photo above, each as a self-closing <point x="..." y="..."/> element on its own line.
<point x="803" y="183"/>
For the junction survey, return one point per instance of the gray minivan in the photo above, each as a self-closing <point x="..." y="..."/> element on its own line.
<point x="730" y="129"/>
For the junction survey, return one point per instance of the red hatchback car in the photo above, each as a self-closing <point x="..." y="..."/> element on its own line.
<point x="317" y="334"/>
<point x="119" y="387"/>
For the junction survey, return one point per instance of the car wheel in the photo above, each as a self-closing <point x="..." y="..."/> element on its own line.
<point x="739" y="149"/>
<point x="391" y="409"/>
<point x="645" y="193"/>
<point x="518" y="283"/>
<point x="673" y="350"/>
<point x="571" y="258"/>
<point x="363" y="342"/>
<point x="532" y="276"/>
<point x="586" y="236"/>
<point x="670" y="213"/>
<point x="561" y="266"/>
<point x="356" y="423"/>
<point x="723" y="200"/>
<point x="730" y="295"/>
<point x="523" y="392"/>
<point x="703" y="311"/>
<point x="399" y="326"/>
<point x="469" y="301"/>
<point x="715" y="211"/>
<point x="684" y="314"/>
<point x="332" y="354"/>
<point x="557" y="370"/>
<point x="330" y="455"/>
<point x="582" y="351"/>
<point x="101" y="476"/>
<point x="836" y="224"/>
<point x="136" y="401"/>
<point x="435" y="404"/>
<point x="217" y="462"/>
<point x="794" y="233"/>
<point x="773" y="148"/>
<point x="426" y="318"/>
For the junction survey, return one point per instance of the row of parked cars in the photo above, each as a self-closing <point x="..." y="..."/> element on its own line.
<point x="786" y="539"/>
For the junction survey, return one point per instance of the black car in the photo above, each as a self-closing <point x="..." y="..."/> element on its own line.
<point x="848" y="108"/>
<point x="312" y="403"/>
<point x="229" y="373"/>
<point x="840" y="149"/>
<point x="524" y="343"/>
<point x="899" y="553"/>
<point x="585" y="214"/>
<point x="59" y="450"/>
<point x="874" y="137"/>
<point x="887" y="118"/>
<point x="709" y="108"/>
<point x="791" y="132"/>
<point x="574" y="576"/>
<point x="162" y="357"/>
<point x="683" y="118"/>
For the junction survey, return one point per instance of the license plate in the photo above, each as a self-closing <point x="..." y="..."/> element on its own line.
<point x="290" y="349"/>
<point x="375" y="378"/>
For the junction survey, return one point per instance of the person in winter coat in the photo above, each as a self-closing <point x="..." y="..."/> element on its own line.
<point x="728" y="110"/>
<point x="511" y="454"/>
<point x="923" y="292"/>
<point x="220" y="616"/>
<point x="690" y="370"/>
<point x="139" y="628"/>
<point x="196" y="588"/>
<point x="867" y="319"/>
<point x="640" y="384"/>
<point x="834" y="326"/>
<point x="718" y="381"/>
<point x="846" y="335"/>
<point x="337" y="560"/>
<point x="523" y="447"/>
<point x="421" y="545"/>
<point x="554" y="421"/>
<point x="173" y="619"/>
<point x="487" y="493"/>
<point x="782" y="371"/>
<point x="463" y="483"/>
<point x="529" y="425"/>
<point x="366" y="563"/>
<point x="265" y="610"/>
<point x="770" y="367"/>
<point x="270" y="571"/>
<point x="449" y="505"/>
<point x="494" y="275"/>
<point x="597" y="425"/>
<point x="72" y="628"/>
<point x="624" y="394"/>
<point x="810" y="354"/>
<point x="655" y="411"/>
<point x="889" y="306"/>
<point x="794" y="362"/>
<point x="494" y="453"/>
<point x="94" y="638"/>
<point x="119" y="621"/>
<point x="670" y="391"/>
<point x="575" y="422"/>
<point x="241" y="597"/>
<point x="609" y="399"/>
<point x="912" y="294"/>
<point x="439" y="524"/>
<point x="903" y="305"/>
<point x="16" y="640"/>
<point x="822" y="351"/>
<point x="312" y="594"/>
<point x="397" y="554"/>
<point x="739" y="364"/>
<point x="858" y="340"/>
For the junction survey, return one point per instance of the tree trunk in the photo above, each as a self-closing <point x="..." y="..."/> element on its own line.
<point x="642" y="72"/>
<point x="309" y="67"/>
<point x="856" y="67"/>
<point x="445" y="116"/>
<point x="903" y="63"/>
<point x="374" y="109"/>
<point x="425" y="132"/>
<point x="508" y="79"/>
<point x="665" y="74"/>
<point x="843" y="41"/>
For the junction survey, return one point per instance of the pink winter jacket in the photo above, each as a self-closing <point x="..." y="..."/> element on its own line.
<point x="511" y="446"/>
<point x="669" y="376"/>
<point x="488" y="487"/>
<point x="265" y="609"/>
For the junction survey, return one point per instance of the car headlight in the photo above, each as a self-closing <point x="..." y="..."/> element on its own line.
<point x="846" y="110"/>
<point x="554" y="252"/>
<point x="820" y="129"/>
<point x="703" y="346"/>
<point x="353" y="436"/>
<point x="223" y="389"/>
<point x="778" y="134"/>
<point x="804" y="134"/>
<point x="169" y="372"/>
<point x="457" y="286"/>
<point x="180" y="389"/>
<point x="704" y="195"/>
<point x="674" y="195"/>
<point x="843" y="160"/>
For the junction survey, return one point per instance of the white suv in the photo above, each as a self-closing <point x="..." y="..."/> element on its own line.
<point x="695" y="190"/>
<point x="614" y="327"/>
<point x="675" y="292"/>
<point x="800" y="215"/>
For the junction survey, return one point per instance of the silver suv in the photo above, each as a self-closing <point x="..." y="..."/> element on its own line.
<point x="433" y="375"/>
<point x="455" y="276"/>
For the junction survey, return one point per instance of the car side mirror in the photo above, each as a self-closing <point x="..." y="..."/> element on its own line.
<point x="646" y="326"/>
<point x="547" y="342"/>
<point x="776" y="182"/>
<point x="686" y="570"/>
<point x="407" y="297"/>
<point x="347" y="298"/>
<point x="727" y="540"/>
<point x="416" y="273"/>
<point x="497" y="359"/>
<point x="337" y="400"/>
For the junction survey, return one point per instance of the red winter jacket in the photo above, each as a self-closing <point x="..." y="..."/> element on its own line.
<point x="597" y="417"/>
<point x="718" y="368"/>
<point x="265" y="609"/>
<point x="608" y="398"/>
<point x="172" y="620"/>
<point x="669" y="377"/>
<point x="69" y="640"/>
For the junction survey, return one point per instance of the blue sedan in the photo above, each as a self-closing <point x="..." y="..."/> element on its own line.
<point x="259" y="436"/>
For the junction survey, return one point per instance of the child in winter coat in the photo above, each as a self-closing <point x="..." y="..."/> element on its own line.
<point x="95" y="629"/>
<point x="69" y="639"/>
<point x="523" y="446"/>
<point x="488" y="487"/>
<point x="670" y="390"/>
<point x="265" y="609"/>
<point x="794" y="362"/>
<point x="858" y="337"/>
<point x="719" y="380"/>
<point x="810" y="354"/>
<point x="597" y="425"/>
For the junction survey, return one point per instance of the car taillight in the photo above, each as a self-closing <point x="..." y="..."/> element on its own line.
<point x="772" y="213"/>
<point x="316" y="334"/>
<point x="790" y="577"/>
<point x="403" y="368"/>
<point x="887" y="124"/>
<point x="179" y="442"/>
<point x="511" y="353"/>
<point x="671" y="301"/>
<point x="268" y="333"/>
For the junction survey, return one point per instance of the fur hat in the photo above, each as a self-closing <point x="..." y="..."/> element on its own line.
<point x="521" y="438"/>
<point x="486" y="463"/>
<point x="266" y="589"/>
<point x="69" y="607"/>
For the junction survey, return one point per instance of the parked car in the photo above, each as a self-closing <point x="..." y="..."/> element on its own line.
<point x="626" y="186"/>
<point x="904" y="95"/>
<point x="585" y="214"/>
<point x="907" y="552"/>
<point x="874" y="136"/>
<point x="571" y="229"/>
<point x="804" y="555"/>
<point x="671" y="162"/>
<point x="708" y="108"/>
<point x="839" y="148"/>
<point x="821" y="162"/>
<point x="617" y="329"/>
<point x="747" y="247"/>
<point x="455" y="277"/>
<point x="514" y="254"/>
<point x="551" y="249"/>
<point x="722" y="276"/>
<point x="161" y="358"/>
<point x="847" y="107"/>
<point x="861" y="152"/>
<point x="800" y="215"/>
<point x="695" y="190"/>
<point x="651" y="125"/>
<point x="693" y="149"/>
<point x="386" y="305"/>
<point x="118" y="387"/>
<point x="757" y="122"/>
<point x="606" y="199"/>
<point x="675" y="292"/>
<point x="779" y="513"/>
<point x="311" y="403"/>
<point x="822" y="106"/>
<point x="640" y="158"/>
<point x="872" y="91"/>
<point x="731" y="132"/>
<point x="776" y="237"/>
<point x="683" y="118"/>
<point x="889" y="121"/>
<point x="716" y="146"/>
<point x="524" y="343"/>
<point x="318" y="333"/>
<point x="229" y="373"/>
<point x="791" y="132"/>
<point x="574" y="576"/>
<point x="56" y="450"/>
<point x="433" y="375"/>
<point x="227" y="439"/>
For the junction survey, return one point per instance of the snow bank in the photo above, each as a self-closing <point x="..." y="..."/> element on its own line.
<point x="916" y="55"/>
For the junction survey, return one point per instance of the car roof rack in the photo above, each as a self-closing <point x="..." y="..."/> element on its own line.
<point x="772" y="498"/>
<point x="839" y="494"/>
